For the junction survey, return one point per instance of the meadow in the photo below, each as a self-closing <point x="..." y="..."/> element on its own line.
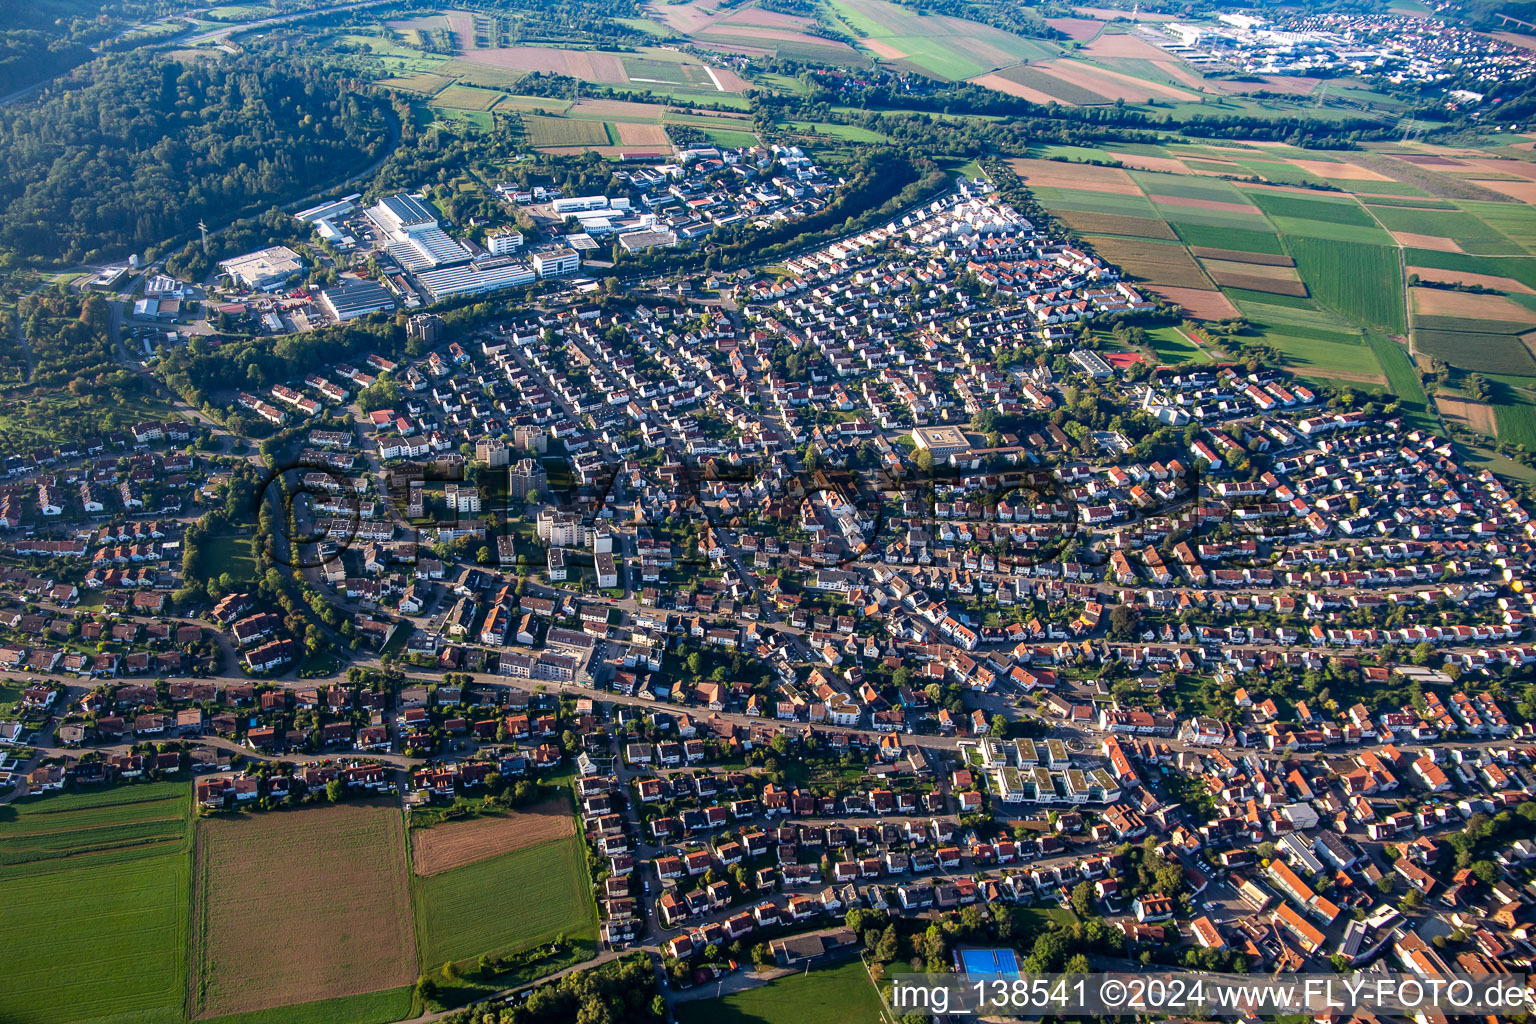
<point x="96" y="892"/>
<point x="504" y="904"/>
<point x="831" y="995"/>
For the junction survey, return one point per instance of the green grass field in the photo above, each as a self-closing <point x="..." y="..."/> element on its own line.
<point x="1516" y="423"/>
<point x="1468" y="231"/>
<point x="504" y="903"/>
<point x="1340" y="219"/>
<point x="1516" y="221"/>
<point x="97" y="936"/>
<point x="1522" y="270"/>
<point x="232" y="555"/>
<point x="1402" y="381"/>
<point x="1095" y="202"/>
<point x="1173" y="347"/>
<point x="470" y="73"/>
<point x="845" y="132"/>
<point x="466" y="97"/>
<point x="729" y="137"/>
<point x="836" y="995"/>
<point x="424" y="83"/>
<point x="944" y="47"/>
<point x="1240" y="239"/>
<point x="372" y="1008"/>
<point x="1363" y="282"/>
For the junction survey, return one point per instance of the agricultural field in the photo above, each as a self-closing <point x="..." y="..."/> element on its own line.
<point x="833" y="995"/>
<point x="1363" y="282"/>
<point x="481" y="62"/>
<point x="749" y="29"/>
<point x="466" y="97"/>
<point x="1516" y="424"/>
<point x="937" y="45"/>
<point x="559" y="131"/>
<point x="1478" y="351"/>
<point x="96" y="890"/>
<point x="339" y="875"/>
<point x="504" y="903"/>
<point x="1166" y="263"/>
<point x="460" y="843"/>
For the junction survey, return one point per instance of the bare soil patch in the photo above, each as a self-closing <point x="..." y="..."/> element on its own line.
<point x="1436" y="242"/>
<point x="1239" y="256"/>
<point x="1429" y="160"/>
<point x="589" y="66"/>
<point x="631" y="134"/>
<point x="1076" y="28"/>
<point x="1117" y="224"/>
<point x="1084" y="177"/>
<point x="1205" y="204"/>
<point x="297" y="906"/>
<point x="1476" y="415"/>
<point x="1289" y="85"/>
<point x="1113" y="85"/>
<point x="1197" y="302"/>
<point x="1516" y="39"/>
<point x="1272" y="272"/>
<point x="1505" y="167"/>
<point x="1438" y="302"/>
<point x="999" y="83"/>
<point x="1123" y="44"/>
<point x="1347" y="171"/>
<point x="887" y="51"/>
<point x="1111" y="13"/>
<point x="455" y="844"/>
<point x="1524" y="191"/>
<point x="1153" y="262"/>
<point x="1152" y="163"/>
<point x="1503" y="284"/>
<point x="1259" y="284"/>
<point x="730" y="81"/>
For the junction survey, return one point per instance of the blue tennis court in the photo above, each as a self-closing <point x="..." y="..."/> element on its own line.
<point x="988" y="962"/>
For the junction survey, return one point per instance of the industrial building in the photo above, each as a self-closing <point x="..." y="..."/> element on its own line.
<point x="639" y="241"/>
<point x="264" y="269"/>
<point x="475" y="279"/>
<point x="415" y="240"/>
<point x="353" y="297"/>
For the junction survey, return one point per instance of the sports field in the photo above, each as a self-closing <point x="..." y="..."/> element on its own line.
<point x="504" y="904"/>
<point x="299" y="906"/>
<point x="96" y="887"/>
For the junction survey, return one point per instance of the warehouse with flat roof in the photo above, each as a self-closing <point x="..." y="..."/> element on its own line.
<point x="264" y="269"/>
<point x="472" y="279"/>
<point x="353" y="297"/>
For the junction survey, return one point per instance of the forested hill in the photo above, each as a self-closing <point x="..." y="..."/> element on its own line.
<point x="139" y="147"/>
<point x="28" y="56"/>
